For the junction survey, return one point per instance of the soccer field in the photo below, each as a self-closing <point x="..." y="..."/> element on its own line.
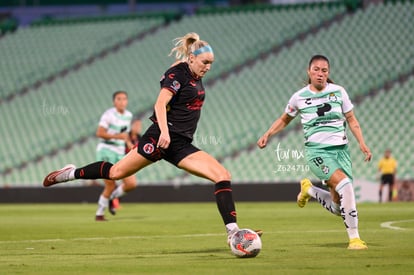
<point x="189" y="238"/>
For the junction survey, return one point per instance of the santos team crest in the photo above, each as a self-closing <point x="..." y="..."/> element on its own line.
<point x="332" y="97"/>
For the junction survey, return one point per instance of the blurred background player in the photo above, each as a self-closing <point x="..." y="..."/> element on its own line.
<point x="325" y="108"/>
<point x="113" y="129"/>
<point x="387" y="166"/>
<point x="134" y="136"/>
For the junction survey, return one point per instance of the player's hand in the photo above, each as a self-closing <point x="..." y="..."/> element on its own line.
<point x="364" y="148"/>
<point x="164" y="141"/>
<point x="124" y="136"/>
<point x="262" y="141"/>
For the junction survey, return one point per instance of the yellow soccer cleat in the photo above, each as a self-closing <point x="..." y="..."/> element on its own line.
<point x="357" y="244"/>
<point x="303" y="195"/>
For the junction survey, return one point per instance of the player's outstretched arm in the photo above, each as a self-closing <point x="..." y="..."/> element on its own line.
<point x="101" y="132"/>
<point x="276" y="127"/>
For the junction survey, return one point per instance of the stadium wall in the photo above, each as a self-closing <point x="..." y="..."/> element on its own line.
<point x="365" y="191"/>
<point x="159" y="193"/>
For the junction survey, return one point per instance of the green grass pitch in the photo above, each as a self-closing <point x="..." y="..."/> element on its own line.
<point x="189" y="238"/>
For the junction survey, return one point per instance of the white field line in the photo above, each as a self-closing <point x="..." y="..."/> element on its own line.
<point x="389" y="224"/>
<point x="158" y="236"/>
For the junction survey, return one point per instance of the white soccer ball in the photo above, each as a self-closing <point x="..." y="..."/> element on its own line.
<point x="245" y="243"/>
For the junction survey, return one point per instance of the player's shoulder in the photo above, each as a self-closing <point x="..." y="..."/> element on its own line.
<point x="107" y="116"/>
<point x="332" y="87"/>
<point x="177" y="72"/>
<point x="128" y="114"/>
<point x="302" y="92"/>
<point x="109" y="111"/>
<point x="180" y="67"/>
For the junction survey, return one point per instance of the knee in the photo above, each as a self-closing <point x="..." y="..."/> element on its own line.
<point x="336" y="178"/>
<point x="223" y="176"/>
<point x="115" y="173"/>
<point x="130" y="183"/>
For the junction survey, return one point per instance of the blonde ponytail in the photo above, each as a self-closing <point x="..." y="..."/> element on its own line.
<point x="186" y="45"/>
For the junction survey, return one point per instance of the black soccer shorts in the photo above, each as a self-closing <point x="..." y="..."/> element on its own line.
<point x="179" y="148"/>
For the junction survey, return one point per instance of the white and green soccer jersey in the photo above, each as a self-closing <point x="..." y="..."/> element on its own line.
<point x="322" y="115"/>
<point x="115" y="123"/>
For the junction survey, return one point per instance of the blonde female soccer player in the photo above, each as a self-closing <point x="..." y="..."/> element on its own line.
<point x="176" y="114"/>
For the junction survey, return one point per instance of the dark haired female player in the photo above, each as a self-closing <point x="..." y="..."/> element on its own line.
<point x="325" y="108"/>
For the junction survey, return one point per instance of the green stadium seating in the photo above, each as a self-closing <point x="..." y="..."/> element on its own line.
<point x="35" y="53"/>
<point x="364" y="55"/>
<point x="136" y="69"/>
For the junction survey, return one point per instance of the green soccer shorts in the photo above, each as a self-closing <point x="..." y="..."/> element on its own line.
<point x="109" y="156"/>
<point x="323" y="162"/>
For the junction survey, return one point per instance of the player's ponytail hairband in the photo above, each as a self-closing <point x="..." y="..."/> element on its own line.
<point x="204" y="49"/>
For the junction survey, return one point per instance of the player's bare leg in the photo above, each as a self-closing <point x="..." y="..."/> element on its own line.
<point x="103" y="201"/>
<point x="128" y="184"/>
<point x="204" y="165"/>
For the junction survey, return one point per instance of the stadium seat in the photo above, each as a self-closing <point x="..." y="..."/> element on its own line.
<point x="34" y="53"/>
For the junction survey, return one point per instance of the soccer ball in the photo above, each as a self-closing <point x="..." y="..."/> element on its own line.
<point x="245" y="243"/>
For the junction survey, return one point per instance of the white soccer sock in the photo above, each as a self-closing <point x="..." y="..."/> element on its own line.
<point x="325" y="199"/>
<point x="72" y="174"/>
<point x="348" y="207"/>
<point x="102" y="205"/>
<point x="231" y="227"/>
<point x="118" y="192"/>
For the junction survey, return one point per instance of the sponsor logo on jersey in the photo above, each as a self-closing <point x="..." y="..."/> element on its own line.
<point x="196" y="104"/>
<point x="290" y="108"/>
<point x="176" y="85"/>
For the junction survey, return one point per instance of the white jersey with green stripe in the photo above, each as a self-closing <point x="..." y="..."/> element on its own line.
<point x="322" y="115"/>
<point x="114" y="123"/>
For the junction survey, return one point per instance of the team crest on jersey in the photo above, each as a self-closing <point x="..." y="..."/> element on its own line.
<point x="176" y="85"/>
<point x="148" y="148"/>
<point x="332" y="97"/>
<point x="325" y="169"/>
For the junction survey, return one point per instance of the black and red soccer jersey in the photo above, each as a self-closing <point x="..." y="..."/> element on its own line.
<point x="184" y="108"/>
